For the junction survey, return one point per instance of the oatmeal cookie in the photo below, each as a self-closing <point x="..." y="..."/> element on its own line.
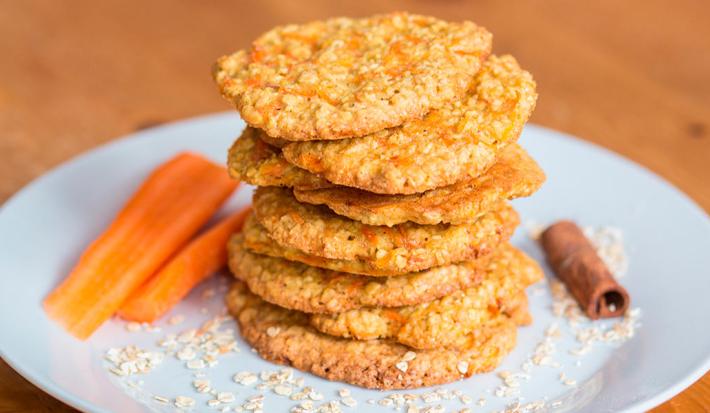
<point x="284" y="336"/>
<point x="309" y="289"/>
<point x="258" y="241"/>
<point x="447" y="321"/>
<point x="515" y="174"/>
<point x="346" y="77"/>
<point x="456" y="142"/>
<point x="255" y="162"/>
<point x="406" y="247"/>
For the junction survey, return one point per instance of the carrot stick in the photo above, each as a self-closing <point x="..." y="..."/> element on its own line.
<point x="169" y="208"/>
<point x="201" y="258"/>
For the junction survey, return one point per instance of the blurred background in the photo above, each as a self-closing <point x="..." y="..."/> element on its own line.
<point x="632" y="76"/>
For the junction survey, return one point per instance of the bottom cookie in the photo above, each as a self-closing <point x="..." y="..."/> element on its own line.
<point x="284" y="337"/>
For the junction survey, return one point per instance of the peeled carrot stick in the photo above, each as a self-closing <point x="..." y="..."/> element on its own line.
<point x="201" y="258"/>
<point x="166" y="211"/>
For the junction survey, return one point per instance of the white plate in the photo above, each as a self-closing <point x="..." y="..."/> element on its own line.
<point x="44" y="227"/>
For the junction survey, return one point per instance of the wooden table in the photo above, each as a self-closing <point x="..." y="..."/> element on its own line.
<point x="632" y="76"/>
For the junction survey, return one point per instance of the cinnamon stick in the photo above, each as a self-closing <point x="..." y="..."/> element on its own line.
<point x="576" y="263"/>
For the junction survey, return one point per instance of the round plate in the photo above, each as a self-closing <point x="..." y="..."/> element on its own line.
<point x="44" y="227"/>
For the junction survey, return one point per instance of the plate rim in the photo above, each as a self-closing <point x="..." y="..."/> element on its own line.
<point x="55" y="390"/>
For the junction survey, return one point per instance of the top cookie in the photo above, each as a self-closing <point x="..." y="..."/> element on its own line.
<point x="455" y="142"/>
<point x="343" y="77"/>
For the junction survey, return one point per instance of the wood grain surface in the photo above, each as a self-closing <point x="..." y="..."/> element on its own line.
<point x="632" y="76"/>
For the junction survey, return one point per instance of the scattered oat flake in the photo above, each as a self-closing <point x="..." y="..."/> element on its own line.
<point x="161" y="399"/>
<point x="196" y="364"/>
<point x="314" y="395"/>
<point x="349" y="401"/>
<point x="184" y="401"/>
<point x="201" y="385"/>
<point x="131" y="360"/>
<point x="176" y="319"/>
<point x="133" y="327"/>
<point x="402" y="366"/>
<point x="273" y="331"/>
<point x="434" y="409"/>
<point x="283" y="390"/>
<point x="186" y="354"/>
<point x="245" y="378"/>
<point x="225" y="397"/>
<point x="609" y="244"/>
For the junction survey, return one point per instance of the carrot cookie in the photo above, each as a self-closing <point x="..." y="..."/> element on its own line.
<point x="285" y="337"/>
<point x="346" y="77"/>
<point x="255" y="162"/>
<point x="456" y="142"/>
<point x="257" y="240"/>
<point x="515" y="174"/>
<point x="447" y="321"/>
<point x="402" y="248"/>
<point x="315" y="290"/>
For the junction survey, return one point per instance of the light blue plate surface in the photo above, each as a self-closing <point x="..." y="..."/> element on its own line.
<point x="44" y="227"/>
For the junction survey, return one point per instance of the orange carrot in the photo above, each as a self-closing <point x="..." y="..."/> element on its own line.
<point x="201" y="258"/>
<point x="166" y="211"/>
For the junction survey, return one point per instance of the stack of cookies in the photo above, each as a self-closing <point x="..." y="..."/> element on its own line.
<point x="384" y="151"/>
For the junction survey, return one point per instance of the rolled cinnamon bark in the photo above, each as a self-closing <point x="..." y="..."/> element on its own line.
<point x="577" y="264"/>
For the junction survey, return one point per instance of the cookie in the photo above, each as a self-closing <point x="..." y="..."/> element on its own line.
<point x="285" y="337"/>
<point x="406" y="247"/>
<point x="515" y="174"/>
<point x="309" y="289"/>
<point x="384" y="323"/>
<point x="255" y="162"/>
<point x="456" y="142"/>
<point x="447" y="321"/>
<point x="346" y="77"/>
<point x="258" y="241"/>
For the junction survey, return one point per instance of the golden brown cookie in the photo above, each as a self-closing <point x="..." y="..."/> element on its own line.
<point x="456" y="142"/>
<point x="258" y="241"/>
<point x="402" y="248"/>
<point x="447" y="321"/>
<point x="387" y="323"/>
<point x="518" y="311"/>
<point x="255" y="162"/>
<point x="345" y="77"/>
<point x="315" y="290"/>
<point x="515" y="174"/>
<point x="273" y="141"/>
<point x="284" y="336"/>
